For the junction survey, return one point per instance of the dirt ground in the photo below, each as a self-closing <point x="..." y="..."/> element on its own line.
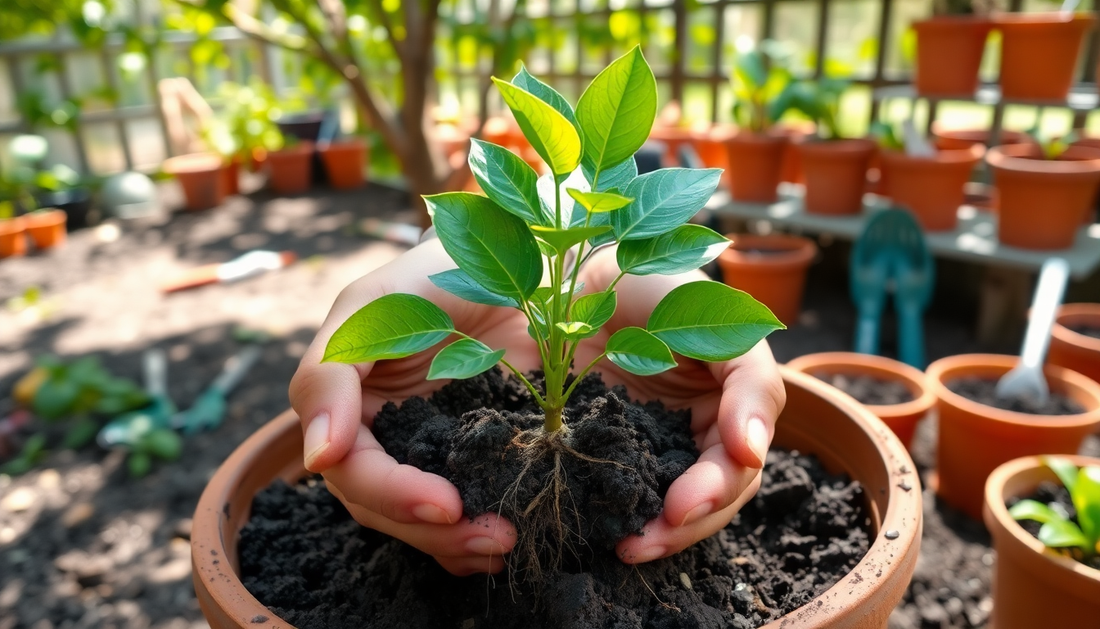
<point x="84" y="545"/>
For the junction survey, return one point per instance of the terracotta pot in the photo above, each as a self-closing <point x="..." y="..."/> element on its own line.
<point x="798" y="132"/>
<point x="1091" y="216"/>
<point x="771" y="268"/>
<point x="901" y="418"/>
<point x="673" y="137"/>
<point x="954" y="139"/>
<point x="13" y="237"/>
<point x="949" y="54"/>
<point x="932" y="187"/>
<point x="1039" y="53"/>
<point x="817" y="419"/>
<point x="1042" y="201"/>
<point x="200" y="176"/>
<point x="46" y="228"/>
<point x="974" y="438"/>
<point x="836" y="174"/>
<point x="505" y="132"/>
<point x="231" y="176"/>
<point x="344" y="161"/>
<point x="1073" y="350"/>
<point x="756" y="165"/>
<point x="1033" y="587"/>
<point x="289" y="168"/>
<point x="710" y="144"/>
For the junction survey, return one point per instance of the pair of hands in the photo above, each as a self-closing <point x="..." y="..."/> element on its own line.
<point x="734" y="405"/>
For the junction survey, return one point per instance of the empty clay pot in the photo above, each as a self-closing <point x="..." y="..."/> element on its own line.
<point x="1073" y="350"/>
<point x="200" y="176"/>
<point x="836" y="174"/>
<point x="771" y="268"/>
<point x="46" y="228"/>
<point x="932" y="187"/>
<point x="289" y="168"/>
<point x="1039" y="53"/>
<point x="13" y="237"/>
<point x="949" y="54"/>
<point x="756" y="165"/>
<point x="344" y="160"/>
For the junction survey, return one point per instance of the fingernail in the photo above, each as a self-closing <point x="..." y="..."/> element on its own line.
<point x="649" y="553"/>
<point x="757" y="437"/>
<point x="316" y="439"/>
<point x="484" y="546"/>
<point x="697" y="513"/>
<point x="431" y="513"/>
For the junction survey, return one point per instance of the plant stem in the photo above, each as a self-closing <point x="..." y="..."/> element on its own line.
<point x="530" y="387"/>
<point x="582" y="374"/>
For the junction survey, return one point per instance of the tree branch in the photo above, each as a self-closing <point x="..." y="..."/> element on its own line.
<point x="387" y="24"/>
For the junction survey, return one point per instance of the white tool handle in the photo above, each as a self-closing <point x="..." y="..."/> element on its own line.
<point x="155" y="364"/>
<point x="1048" y="296"/>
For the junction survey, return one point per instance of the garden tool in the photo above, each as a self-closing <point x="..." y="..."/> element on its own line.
<point x="209" y="408"/>
<point x="891" y="252"/>
<point x="128" y="429"/>
<point x="1026" y="380"/>
<point x="244" y="266"/>
<point x="915" y="144"/>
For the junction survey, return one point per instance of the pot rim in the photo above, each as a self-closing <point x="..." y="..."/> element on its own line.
<point x="352" y="143"/>
<point x="45" y="217"/>
<point x="997" y="519"/>
<point x="943" y="370"/>
<point x="1020" y="21"/>
<point x="192" y="163"/>
<point x="977" y="134"/>
<point x="1019" y="158"/>
<point x="13" y="225"/>
<point x="881" y="366"/>
<point x="1069" y="313"/>
<point x="299" y="148"/>
<point x="954" y="21"/>
<point x="969" y="156"/>
<point x="770" y="137"/>
<point x="795" y="251"/>
<point x="843" y="148"/>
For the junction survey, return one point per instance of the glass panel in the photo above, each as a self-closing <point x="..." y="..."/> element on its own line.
<point x="796" y="27"/>
<point x="701" y="38"/>
<point x="697" y="102"/>
<point x="146" y="143"/>
<point x="901" y="47"/>
<point x="744" y="27"/>
<point x="852" y="38"/>
<point x="101" y="141"/>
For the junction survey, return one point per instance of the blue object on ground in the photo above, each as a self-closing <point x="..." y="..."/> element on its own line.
<point x="891" y="254"/>
<point x="208" y="410"/>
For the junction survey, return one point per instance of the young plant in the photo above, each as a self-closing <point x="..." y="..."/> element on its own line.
<point x="887" y="136"/>
<point x="592" y="197"/>
<point x="819" y="101"/>
<point x="760" y="78"/>
<point x="1053" y="146"/>
<point x="1081" y="538"/>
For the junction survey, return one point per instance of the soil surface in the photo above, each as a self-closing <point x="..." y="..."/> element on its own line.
<point x="1086" y="330"/>
<point x="868" y="390"/>
<point x="803" y="531"/>
<point x="984" y="391"/>
<point x="1055" y="496"/>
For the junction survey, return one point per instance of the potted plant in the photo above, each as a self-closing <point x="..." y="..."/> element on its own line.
<point x="895" y="392"/>
<point x="495" y="241"/>
<point x="63" y="188"/>
<point x="200" y="177"/>
<point x="950" y="47"/>
<point x="961" y="467"/>
<point x="45" y="226"/>
<point x="289" y="166"/>
<point x="13" y="233"/>
<point x="1075" y="339"/>
<point x="756" y="151"/>
<point x="1048" y="574"/>
<point x="770" y="267"/>
<point x="931" y="186"/>
<point x="1039" y="52"/>
<point x="1046" y="191"/>
<point x="344" y="159"/>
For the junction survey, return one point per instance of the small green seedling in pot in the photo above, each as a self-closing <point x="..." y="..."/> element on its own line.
<point x="760" y="84"/>
<point x="1080" y="539"/>
<point x="592" y="196"/>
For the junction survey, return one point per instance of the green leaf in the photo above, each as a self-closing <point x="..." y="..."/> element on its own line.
<point x="465" y="358"/>
<point x="617" y="110"/>
<point x="1064" y="469"/>
<point x="1062" y="534"/>
<point x="392" y="326"/>
<point x="1086" y="499"/>
<point x="576" y="330"/>
<point x="562" y="239"/>
<point x="162" y="443"/>
<point x="1033" y="510"/>
<point x="663" y="199"/>
<point x="525" y="81"/>
<point x="80" y="433"/>
<point x="599" y="202"/>
<point x="139" y="463"/>
<point x="459" y="283"/>
<point x="494" y="247"/>
<point x="639" y="352"/>
<point x="683" y="249"/>
<point x="551" y="135"/>
<point x="508" y="180"/>
<point x="616" y="177"/>
<point x="595" y="310"/>
<point x="570" y="217"/>
<point x="711" y="321"/>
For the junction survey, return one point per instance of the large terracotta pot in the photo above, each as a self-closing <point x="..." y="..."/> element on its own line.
<point x="200" y="176"/>
<point x="1042" y="202"/>
<point x="836" y="174"/>
<point x="797" y="131"/>
<point x="756" y="165"/>
<point x="816" y="419"/>
<point x="974" y="438"/>
<point x="1033" y="587"/>
<point x="771" y="268"/>
<point x="949" y="54"/>
<point x="932" y="187"/>
<point x="901" y="418"/>
<point x="13" y="237"/>
<point x="290" y="168"/>
<point x="46" y="228"/>
<point x="1039" y="53"/>
<point x="1073" y="350"/>
<point x="344" y="160"/>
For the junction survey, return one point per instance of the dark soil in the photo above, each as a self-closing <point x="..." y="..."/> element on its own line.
<point x="802" y="532"/>
<point x="1086" y="330"/>
<point x="984" y="391"/>
<point x="869" y="390"/>
<point x="1056" y="496"/>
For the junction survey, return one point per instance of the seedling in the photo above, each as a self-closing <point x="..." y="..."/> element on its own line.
<point x="820" y="101"/>
<point x="760" y="79"/>
<point x="1053" y="146"/>
<point x="592" y="197"/>
<point x="1080" y="539"/>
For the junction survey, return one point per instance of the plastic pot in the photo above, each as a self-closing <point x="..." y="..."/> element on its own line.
<point x="1073" y="350"/>
<point x="756" y="165"/>
<point x="771" y="268"/>
<point x="1043" y="201"/>
<point x="1039" y="53"/>
<point x="836" y="174"/>
<point x="949" y="54"/>
<point x="46" y="228"/>
<point x="974" y="438"/>
<point x="954" y="139"/>
<point x="200" y="176"/>
<point x="932" y="187"/>
<point x="901" y="418"/>
<point x="13" y="237"/>
<point x="289" y="168"/>
<point x="817" y="419"/>
<point x="1033" y="587"/>
<point x="344" y="161"/>
<point x="77" y="204"/>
